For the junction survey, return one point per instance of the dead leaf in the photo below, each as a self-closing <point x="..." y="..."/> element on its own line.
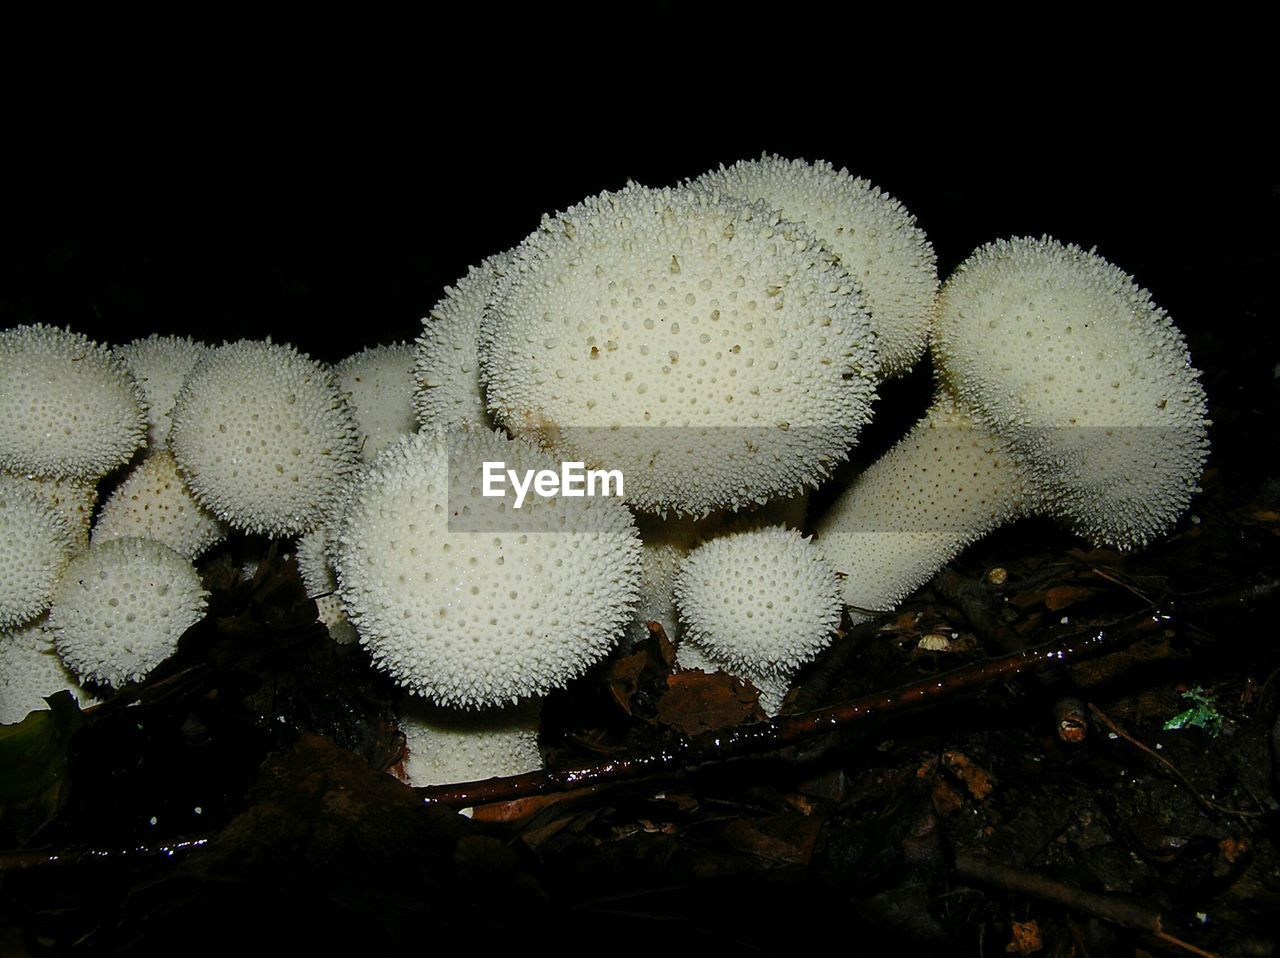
<point x="1026" y="938"/>
<point x="697" y="702"/>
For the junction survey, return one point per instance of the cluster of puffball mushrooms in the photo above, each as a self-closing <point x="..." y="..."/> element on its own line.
<point x="719" y="343"/>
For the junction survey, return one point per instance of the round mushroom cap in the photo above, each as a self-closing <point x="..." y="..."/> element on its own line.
<point x="446" y="368"/>
<point x="160" y="365"/>
<point x="872" y="235"/>
<point x="378" y="382"/>
<point x="73" y="499"/>
<point x="444" y="746"/>
<point x="68" y="407"/>
<point x="1067" y="359"/>
<point x="715" y="355"/>
<point x="30" y="670"/>
<point x="121" y="608"/>
<point x="762" y="602"/>
<point x="466" y="600"/>
<point x="153" y="502"/>
<point x="36" y="543"/>
<point x="264" y="438"/>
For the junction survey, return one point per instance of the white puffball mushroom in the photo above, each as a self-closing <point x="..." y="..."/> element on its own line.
<point x="68" y="406"/>
<point x="444" y="746"/>
<point x="121" y="607"/>
<point x="153" y="502"/>
<point x="73" y="499"/>
<point x="263" y="438"/>
<point x="30" y="670"/>
<point x="1065" y="392"/>
<point x="714" y="354"/>
<point x="321" y="583"/>
<point x="36" y="543"/>
<point x="446" y="368"/>
<point x="160" y="364"/>
<point x="378" y="383"/>
<point x="762" y="603"/>
<point x="466" y="600"/>
<point x="874" y="237"/>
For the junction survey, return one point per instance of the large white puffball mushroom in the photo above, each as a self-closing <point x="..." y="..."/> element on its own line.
<point x="1067" y="358"/>
<point x="874" y="237"/>
<point x="68" y="407"/>
<point x="264" y="438"/>
<point x="121" y="607"/>
<point x="153" y="502"/>
<point x="378" y="383"/>
<point x="467" y="600"/>
<point x="446" y="369"/>
<point x="762" y="602"/>
<point x="30" y="670"/>
<point x="160" y="364"/>
<point x="36" y="543"/>
<point x="946" y="484"/>
<point x="715" y="355"/>
<point x="444" y="746"/>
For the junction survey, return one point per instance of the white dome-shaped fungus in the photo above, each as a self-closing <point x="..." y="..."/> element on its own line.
<point x="378" y="382"/>
<point x="1065" y="391"/>
<point x="68" y="407"/>
<point x="30" y="670"/>
<point x="121" y="607"/>
<point x="35" y="546"/>
<point x="153" y="502"/>
<point x="444" y="746"/>
<point x="518" y="604"/>
<point x="73" y="499"/>
<point x="160" y="365"/>
<point x="446" y="368"/>
<point x="321" y="584"/>
<point x="762" y="603"/>
<point x="874" y="237"/>
<point x="263" y="438"/>
<point x="713" y="354"/>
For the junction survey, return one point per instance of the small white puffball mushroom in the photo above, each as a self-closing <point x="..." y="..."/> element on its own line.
<point x="465" y="599"/>
<point x="947" y="483"/>
<point x="1064" y="356"/>
<point x="378" y="383"/>
<point x="762" y="603"/>
<point x="664" y="544"/>
<point x="321" y="584"/>
<point x="263" y="438"/>
<point x="1065" y="392"/>
<point x="36" y="543"/>
<point x="30" y="670"/>
<point x="444" y="746"/>
<point x="714" y="354"/>
<point x="121" y="607"/>
<point x="446" y="368"/>
<point x="68" y="407"/>
<point x="160" y="364"/>
<point x="153" y="502"/>
<point x="874" y="237"/>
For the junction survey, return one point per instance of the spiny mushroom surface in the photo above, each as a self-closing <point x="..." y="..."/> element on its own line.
<point x="160" y="364"/>
<point x="30" y="670"/>
<point x="36" y="544"/>
<point x="121" y="608"/>
<point x="467" y="601"/>
<point x="68" y="407"/>
<point x="874" y="237"/>
<point x="263" y="438"/>
<point x="714" y="354"/>
<point x="153" y="502"/>
<point x="446" y="367"/>
<point x="1064" y="391"/>
<point x="378" y="383"/>
<point x="762" y="603"/>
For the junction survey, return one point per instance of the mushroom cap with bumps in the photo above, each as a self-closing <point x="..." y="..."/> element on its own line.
<point x="467" y="601"/>
<point x="160" y="365"/>
<point x="874" y="237"/>
<point x="378" y="382"/>
<point x="153" y="502"/>
<point x="36" y="543"/>
<point x="121" y="608"/>
<point x="30" y="670"/>
<point x="1067" y="359"/>
<point x="715" y="355"/>
<point x="264" y="438"/>
<point x="68" y="406"/>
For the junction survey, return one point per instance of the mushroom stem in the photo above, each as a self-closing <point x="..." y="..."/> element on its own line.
<point x="947" y="483"/>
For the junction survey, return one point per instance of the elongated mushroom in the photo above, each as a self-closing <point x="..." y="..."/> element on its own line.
<point x="1064" y="390"/>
